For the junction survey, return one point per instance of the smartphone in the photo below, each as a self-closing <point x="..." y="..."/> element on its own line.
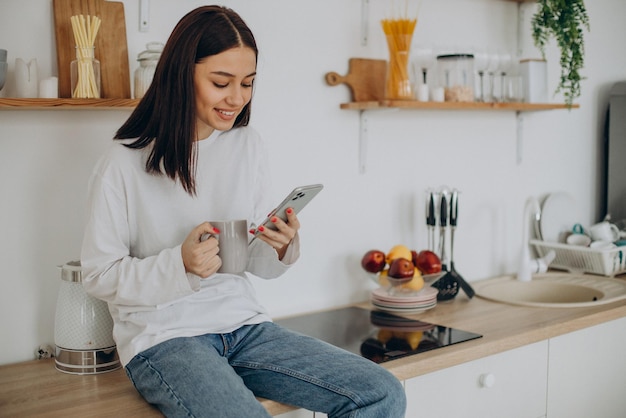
<point x="297" y="199"/>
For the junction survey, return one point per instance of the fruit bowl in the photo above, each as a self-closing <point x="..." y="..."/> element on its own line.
<point x="399" y="287"/>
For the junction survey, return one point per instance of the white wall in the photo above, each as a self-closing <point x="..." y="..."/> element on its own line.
<point x="47" y="156"/>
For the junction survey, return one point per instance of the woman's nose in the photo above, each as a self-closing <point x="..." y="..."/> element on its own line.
<point x="236" y="96"/>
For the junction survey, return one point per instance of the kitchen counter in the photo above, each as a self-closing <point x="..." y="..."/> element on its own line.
<point x="36" y="388"/>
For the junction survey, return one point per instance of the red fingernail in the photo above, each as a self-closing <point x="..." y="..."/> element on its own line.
<point x="261" y="228"/>
<point x="274" y="219"/>
<point x="215" y="230"/>
<point x="289" y="211"/>
<point x="251" y="231"/>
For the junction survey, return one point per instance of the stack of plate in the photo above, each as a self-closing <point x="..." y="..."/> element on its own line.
<point x="416" y="302"/>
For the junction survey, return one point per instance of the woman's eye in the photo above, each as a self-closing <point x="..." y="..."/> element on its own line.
<point x="220" y="86"/>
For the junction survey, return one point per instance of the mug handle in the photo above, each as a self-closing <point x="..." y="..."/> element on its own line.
<point x="578" y="229"/>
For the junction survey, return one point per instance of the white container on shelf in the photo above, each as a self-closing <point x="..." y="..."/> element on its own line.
<point x="534" y="74"/>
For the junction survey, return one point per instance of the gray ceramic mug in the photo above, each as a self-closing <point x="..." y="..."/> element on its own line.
<point x="233" y="241"/>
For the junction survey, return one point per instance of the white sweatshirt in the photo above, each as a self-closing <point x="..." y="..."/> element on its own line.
<point x="136" y="223"/>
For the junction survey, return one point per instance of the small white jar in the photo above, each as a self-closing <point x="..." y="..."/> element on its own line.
<point x="144" y="74"/>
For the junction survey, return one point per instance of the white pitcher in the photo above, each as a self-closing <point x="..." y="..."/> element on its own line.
<point x="26" y="78"/>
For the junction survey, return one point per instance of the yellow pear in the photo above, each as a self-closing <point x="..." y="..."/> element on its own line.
<point x="417" y="282"/>
<point x="399" y="251"/>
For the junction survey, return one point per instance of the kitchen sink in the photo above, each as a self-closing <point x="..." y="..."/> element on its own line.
<point x="553" y="290"/>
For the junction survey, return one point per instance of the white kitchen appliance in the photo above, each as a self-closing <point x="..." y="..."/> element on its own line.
<point x="83" y="328"/>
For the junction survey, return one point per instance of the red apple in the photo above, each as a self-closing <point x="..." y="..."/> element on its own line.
<point x="401" y="268"/>
<point x="373" y="261"/>
<point x="428" y="262"/>
<point x="414" y="257"/>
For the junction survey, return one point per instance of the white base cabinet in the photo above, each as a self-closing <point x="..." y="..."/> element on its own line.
<point x="509" y="384"/>
<point x="587" y="372"/>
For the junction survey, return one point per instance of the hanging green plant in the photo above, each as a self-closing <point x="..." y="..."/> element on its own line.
<point x="564" y="20"/>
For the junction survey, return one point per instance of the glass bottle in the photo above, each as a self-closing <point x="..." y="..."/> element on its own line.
<point x="85" y="74"/>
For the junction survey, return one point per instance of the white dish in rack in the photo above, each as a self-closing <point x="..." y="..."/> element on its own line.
<point x="559" y="214"/>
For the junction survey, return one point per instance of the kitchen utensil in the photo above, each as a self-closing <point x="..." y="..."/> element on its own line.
<point x="83" y="328"/>
<point x="431" y="222"/>
<point x="454" y="214"/>
<point x="448" y="285"/>
<point x="110" y="47"/>
<point x="365" y="78"/>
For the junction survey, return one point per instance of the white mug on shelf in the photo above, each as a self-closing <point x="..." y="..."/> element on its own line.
<point x="26" y="78"/>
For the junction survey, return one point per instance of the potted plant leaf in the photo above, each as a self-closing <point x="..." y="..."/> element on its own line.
<point x="563" y="20"/>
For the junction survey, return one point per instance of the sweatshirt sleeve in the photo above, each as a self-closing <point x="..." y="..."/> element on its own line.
<point x="263" y="260"/>
<point x="110" y="272"/>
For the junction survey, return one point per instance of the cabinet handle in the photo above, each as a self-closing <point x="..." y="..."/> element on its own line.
<point x="487" y="380"/>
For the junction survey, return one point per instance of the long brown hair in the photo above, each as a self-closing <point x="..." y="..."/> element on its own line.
<point x="166" y="115"/>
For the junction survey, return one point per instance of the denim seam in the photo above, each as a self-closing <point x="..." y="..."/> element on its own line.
<point x="170" y="390"/>
<point x="320" y="383"/>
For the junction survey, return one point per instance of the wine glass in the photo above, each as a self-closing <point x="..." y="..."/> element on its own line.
<point x="481" y="63"/>
<point x="492" y="73"/>
<point x="505" y="63"/>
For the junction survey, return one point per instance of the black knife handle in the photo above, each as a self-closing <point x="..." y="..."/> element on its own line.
<point x="443" y="210"/>
<point x="454" y="208"/>
<point x="430" y="211"/>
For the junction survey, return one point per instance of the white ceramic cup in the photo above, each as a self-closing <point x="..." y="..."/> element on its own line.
<point x="233" y="242"/>
<point x="578" y="239"/>
<point x="602" y="245"/>
<point x="604" y="231"/>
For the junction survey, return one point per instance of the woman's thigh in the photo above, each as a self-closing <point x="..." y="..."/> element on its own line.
<point x="288" y="367"/>
<point x="188" y="377"/>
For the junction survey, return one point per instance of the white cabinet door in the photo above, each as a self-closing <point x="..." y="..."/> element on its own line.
<point x="587" y="372"/>
<point x="510" y="384"/>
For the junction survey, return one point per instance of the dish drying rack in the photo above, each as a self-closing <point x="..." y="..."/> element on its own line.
<point x="605" y="262"/>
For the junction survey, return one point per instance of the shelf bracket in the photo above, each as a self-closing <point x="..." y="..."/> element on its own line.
<point x="365" y="14"/>
<point x="362" y="142"/>
<point x="144" y="15"/>
<point x="519" y="136"/>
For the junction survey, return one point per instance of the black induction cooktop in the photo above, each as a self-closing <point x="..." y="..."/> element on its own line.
<point x="377" y="335"/>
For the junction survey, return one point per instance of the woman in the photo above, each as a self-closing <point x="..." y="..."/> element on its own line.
<point x="196" y="342"/>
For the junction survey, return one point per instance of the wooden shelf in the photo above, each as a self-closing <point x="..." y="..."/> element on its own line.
<point x="411" y="104"/>
<point x="64" y="104"/>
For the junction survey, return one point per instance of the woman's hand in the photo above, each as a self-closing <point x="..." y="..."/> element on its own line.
<point x="281" y="238"/>
<point x="200" y="257"/>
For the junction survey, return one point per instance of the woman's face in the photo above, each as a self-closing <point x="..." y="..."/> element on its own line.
<point x="223" y="86"/>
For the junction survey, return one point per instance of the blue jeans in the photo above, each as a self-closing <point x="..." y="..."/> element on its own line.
<point x="219" y="375"/>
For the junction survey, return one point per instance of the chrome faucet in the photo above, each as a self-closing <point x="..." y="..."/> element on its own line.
<point x="528" y="266"/>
